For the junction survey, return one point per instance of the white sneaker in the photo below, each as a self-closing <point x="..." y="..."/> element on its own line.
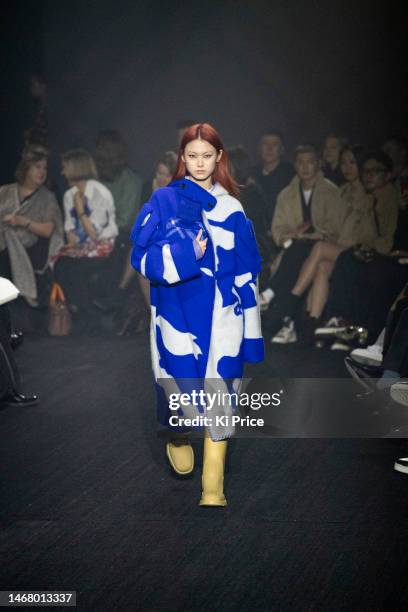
<point x="372" y="355"/>
<point x="333" y="326"/>
<point x="286" y="334"/>
<point x="401" y="465"/>
<point x="399" y="392"/>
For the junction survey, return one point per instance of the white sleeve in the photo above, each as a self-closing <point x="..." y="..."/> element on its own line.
<point x="110" y="230"/>
<point x="68" y="203"/>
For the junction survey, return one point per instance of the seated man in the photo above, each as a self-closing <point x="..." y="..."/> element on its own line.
<point x="307" y="210"/>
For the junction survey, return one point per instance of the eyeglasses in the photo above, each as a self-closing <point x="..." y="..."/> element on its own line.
<point x="373" y="171"/>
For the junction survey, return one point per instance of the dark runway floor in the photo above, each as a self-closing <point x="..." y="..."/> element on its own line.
<point x="88" y="502"/>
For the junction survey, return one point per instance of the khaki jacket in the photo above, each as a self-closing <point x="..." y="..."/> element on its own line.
<point x="386" y="202"/>
<point x="357" y="222"/>
<point x="325" y="211"/>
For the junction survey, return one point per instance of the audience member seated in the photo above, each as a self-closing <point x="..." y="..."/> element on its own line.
<point x="31" y="229"/>
<point x="273" y="173"/>
<point x="91" y="230"/>
<point x="365" y="283"/>
<point x="307" y="211"/>
<point x="356" y="226"/>
<point x="332" y="147"/>
<point x="255" y="208"/>
<point x="163" y="172"/>
<point x="111" y="157"/>
<point x="133" y="311"/>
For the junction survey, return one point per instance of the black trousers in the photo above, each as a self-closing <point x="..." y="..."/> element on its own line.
<point x="9" y="376"/>
<point x="287" y="273"/>
<point x="282" y="283"/>
<point x="395" y="348"/>
<point x="362" y="293"/>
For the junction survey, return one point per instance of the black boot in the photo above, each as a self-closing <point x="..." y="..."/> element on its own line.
<point x="16" y="400"/>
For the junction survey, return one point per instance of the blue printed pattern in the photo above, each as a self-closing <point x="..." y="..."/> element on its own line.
<point x="205" y="313"/>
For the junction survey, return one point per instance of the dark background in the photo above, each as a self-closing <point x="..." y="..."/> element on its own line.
<point x="140" y="66"/>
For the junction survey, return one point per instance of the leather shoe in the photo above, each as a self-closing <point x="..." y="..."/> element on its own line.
<point x="16" y="338"/>
<point x="18" y="399"/>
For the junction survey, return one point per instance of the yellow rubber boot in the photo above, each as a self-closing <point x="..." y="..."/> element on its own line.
<point x="180" y="455"/>
<point x="213" y="472"/>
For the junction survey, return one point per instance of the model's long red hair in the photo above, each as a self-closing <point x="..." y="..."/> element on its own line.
<point x="222" y="173"/>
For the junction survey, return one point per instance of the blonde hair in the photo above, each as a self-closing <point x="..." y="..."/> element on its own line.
<point x="80" y="165"/>
<point x="31" y="154"/>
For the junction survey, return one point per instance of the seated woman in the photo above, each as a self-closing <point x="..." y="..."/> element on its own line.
<point x="356" y="226"/>
<point x="90" y="228"/>
<point x="31" y="229"/>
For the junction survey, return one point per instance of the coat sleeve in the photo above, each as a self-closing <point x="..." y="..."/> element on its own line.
<point x="246" y="284"/>
<point x="387" y="218"/>
<point x="159" y="260"/>
<point x="280" y="223"/>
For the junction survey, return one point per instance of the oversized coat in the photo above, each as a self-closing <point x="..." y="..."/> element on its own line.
<point x="205" y="318"/>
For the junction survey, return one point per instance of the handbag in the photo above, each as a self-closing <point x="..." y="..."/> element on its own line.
<point x="59" y="317"/>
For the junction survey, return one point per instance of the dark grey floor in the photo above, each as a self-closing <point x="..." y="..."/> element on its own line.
<point x="88" y="502"/>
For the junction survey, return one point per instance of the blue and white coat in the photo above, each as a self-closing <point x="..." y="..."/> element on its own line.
<point x="205" y="318"/>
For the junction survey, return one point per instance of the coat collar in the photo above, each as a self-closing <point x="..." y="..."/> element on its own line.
<point x="189" y="189"/>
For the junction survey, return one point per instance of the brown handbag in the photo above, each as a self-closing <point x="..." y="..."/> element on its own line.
<point x="59" y="317"/>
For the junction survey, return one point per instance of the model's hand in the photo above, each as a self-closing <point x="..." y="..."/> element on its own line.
<point x="202" y="243"/>
<point x="302" y="228"/>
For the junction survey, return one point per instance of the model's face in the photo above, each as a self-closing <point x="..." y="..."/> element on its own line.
<point x="307" y="166"/>
<point x="331" y="150"/>
<point x="163" y="175"/>
<point x="37" y="173"/>
<point x="375" y="175"/>
<point x="201" y="158"/>
<point x="271" y="149"/>
<point x="349" y="167"/>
